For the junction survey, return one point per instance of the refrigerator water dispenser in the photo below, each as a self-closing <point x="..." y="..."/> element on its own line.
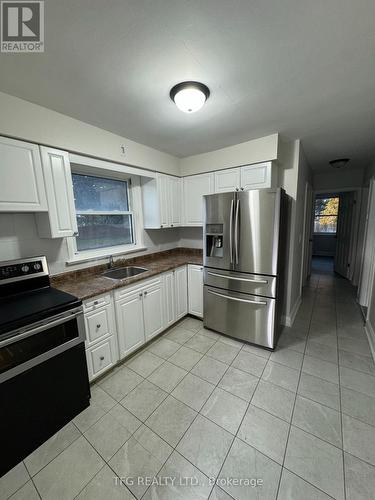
<point x="214" y="240"/>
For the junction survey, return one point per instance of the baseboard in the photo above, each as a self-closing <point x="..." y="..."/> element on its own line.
<point x="288" y="320"/>
<point x="370" y="337"/>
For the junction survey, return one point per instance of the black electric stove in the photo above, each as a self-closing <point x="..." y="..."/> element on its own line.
<point x="43" y="371"/>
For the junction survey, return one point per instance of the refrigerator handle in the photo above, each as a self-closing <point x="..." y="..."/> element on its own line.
<point x="231" y="231"/>
<point x="236" y="234"/>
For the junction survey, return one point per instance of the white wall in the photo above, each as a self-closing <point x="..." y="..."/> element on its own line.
<point x="338" y="179"/>
<point x="30" y="122"/>
<point x="293" y="175"/>
<point x="246" y="153"/>
<point x="19" y="238"/>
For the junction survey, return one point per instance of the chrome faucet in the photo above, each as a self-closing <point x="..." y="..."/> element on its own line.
<point x="111" y="262"/>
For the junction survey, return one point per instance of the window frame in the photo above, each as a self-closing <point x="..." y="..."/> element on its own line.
<point x="135" y="210"/>
<point x="322" y="233"/>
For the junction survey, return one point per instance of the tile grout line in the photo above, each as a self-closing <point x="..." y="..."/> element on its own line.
<point x="340" y="405"/>
<point x="295" y="397"/>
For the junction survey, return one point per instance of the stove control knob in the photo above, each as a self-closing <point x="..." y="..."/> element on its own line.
<point x="24" y="268"/>
<point x="37" y="266"/>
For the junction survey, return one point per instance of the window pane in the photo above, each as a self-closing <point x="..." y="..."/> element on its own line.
<point x="327" y="206"/>
<point x="98" y="231"/>
<point x="325" y="224"/>
<point x="99" y="195"/>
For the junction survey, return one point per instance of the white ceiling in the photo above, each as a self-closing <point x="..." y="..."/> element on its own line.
<point x="304" y="68"/>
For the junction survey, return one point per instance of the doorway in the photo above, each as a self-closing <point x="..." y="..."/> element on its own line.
<point x="334" y="231"/>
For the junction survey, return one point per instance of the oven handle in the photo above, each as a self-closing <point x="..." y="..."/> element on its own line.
<point x="40" y="326"/>
<point x="259" y="303"/>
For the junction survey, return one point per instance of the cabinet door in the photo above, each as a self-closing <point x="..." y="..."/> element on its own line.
<point x="129" y="313"/>
<point x="22" y="184"/>
<point x="60" y="221"/>
<point x="163" y="194"/>
<point x="195" y="187"/>
<point x="181" y="292"/>
<point x="175" y="201"/>
<point x="256" y="176"/>
<point x="227" y="180"/>
<point x="169" y="299"/>
<point x="153" y="310"/>
<point x="195" y="290"/>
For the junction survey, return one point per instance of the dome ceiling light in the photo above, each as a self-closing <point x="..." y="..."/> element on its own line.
<point x="189" y="97"/>
<point x="339" y="163"/>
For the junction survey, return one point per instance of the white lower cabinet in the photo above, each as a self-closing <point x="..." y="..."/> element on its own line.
<point x="101" y="338"/>
<point x="130" y="327"/>
<point x="120" y="322"/>
<point x="140" y="314"/>
<point x="101" y="357"/>
<point x="195" y="286"/>
<point x="175" y="295"/>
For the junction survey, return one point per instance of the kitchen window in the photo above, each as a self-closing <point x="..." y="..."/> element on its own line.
<point x="104" y="206"/>
<point x="326" y="214"/>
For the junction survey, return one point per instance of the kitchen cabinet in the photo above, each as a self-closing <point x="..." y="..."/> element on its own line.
<point x="195" y="286"/>
<point x="60" y="220"/>
<point x="195" y="187"/>
<point x="139" y="313"/>
<point x="130" y="327"/>
<point x="22" y="185"/>
<point x="227" y="180"/>
<point x="257" y="176"/>
<point x="161" y="198"/>
<point x="175" y="295"/>
<point x="181" y="292"/>
<point x="101" y="336"/>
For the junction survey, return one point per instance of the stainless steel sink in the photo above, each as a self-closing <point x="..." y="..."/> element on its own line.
<point x="124" y="272"/>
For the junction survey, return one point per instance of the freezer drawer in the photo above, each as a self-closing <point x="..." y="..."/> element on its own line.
<point x="246" y="317"/>
<point x="255" y="284"/>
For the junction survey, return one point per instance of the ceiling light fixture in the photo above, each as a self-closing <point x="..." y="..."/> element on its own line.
<point x="189" y="97"/>
<point x="339" y="163"/>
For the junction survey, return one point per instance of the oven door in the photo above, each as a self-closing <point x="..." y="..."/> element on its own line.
<point x="43" y="384"/>
<point x="29" y="346"/>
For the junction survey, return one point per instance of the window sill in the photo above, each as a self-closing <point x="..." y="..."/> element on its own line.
<point x="105" y="253"/>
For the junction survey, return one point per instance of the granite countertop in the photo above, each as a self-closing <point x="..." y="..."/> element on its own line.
<point x="89" y="282"/>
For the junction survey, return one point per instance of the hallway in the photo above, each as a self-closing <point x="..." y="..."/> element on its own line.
<point x="195" y="404"/>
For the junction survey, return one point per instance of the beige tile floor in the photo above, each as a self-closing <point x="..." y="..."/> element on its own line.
<point x="299" y="422"/>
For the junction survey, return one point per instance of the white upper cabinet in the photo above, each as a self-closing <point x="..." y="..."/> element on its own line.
<point x="195" y="187"/>
<point x="60" y="221"/>
<point x="161" y="201"/>
<point x="227" y="180"/>
<point x="258" y="176"/>
<point x="21" y="185"/>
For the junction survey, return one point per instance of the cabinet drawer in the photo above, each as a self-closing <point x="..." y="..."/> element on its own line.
<point x="96" y="302"/>
<point x="98" y="324"/>
<point x="101" y="357"/>
<point x="123" y="292"/>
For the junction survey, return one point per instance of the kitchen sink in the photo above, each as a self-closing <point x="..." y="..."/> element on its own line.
<point x="124" y="272"/>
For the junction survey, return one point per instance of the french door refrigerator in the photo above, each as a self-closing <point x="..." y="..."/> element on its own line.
<point x="244" y="260"/>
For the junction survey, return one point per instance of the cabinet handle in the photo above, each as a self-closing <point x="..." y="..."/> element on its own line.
<point x="98" y="326"/>
<point x="96" y="302"/>
<point x="145" y="293"/>
<point x="141" y="294"/>
<point x="101" y="358"/>
<point x="76" y="233"/>
<point x="161" y="225"/>
<point x="171" y="225"/>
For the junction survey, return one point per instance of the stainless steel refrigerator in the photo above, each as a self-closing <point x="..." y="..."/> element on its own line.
<point x="244" y="260"/>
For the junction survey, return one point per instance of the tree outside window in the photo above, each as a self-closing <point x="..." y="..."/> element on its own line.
<point x="326" y="213"/>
